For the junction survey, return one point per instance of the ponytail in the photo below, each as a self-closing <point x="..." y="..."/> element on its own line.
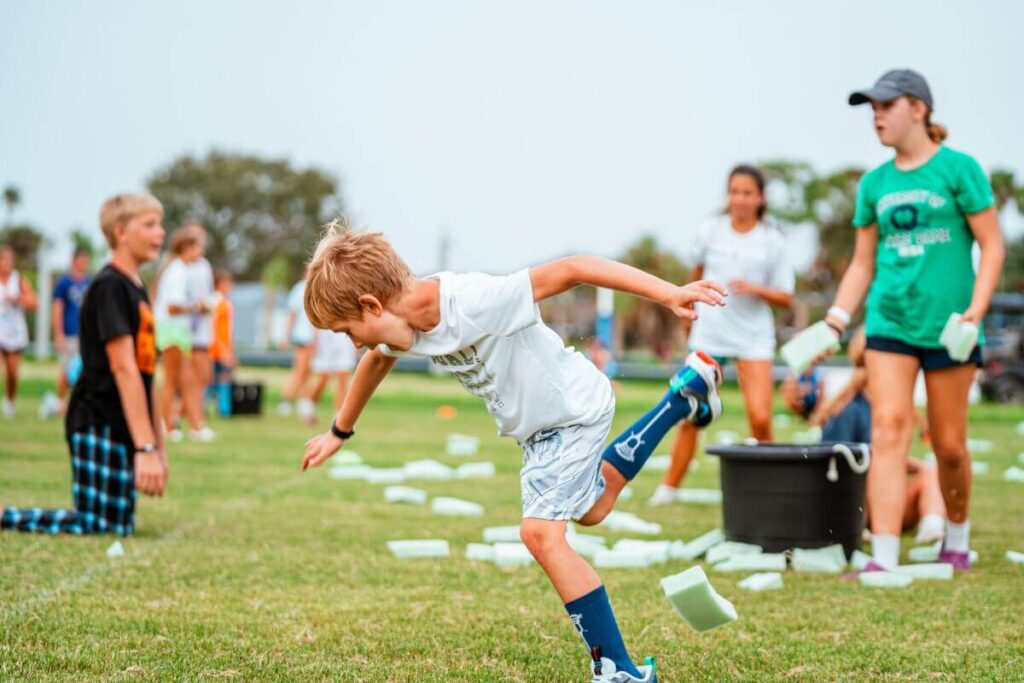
<point x="936" y="131"/>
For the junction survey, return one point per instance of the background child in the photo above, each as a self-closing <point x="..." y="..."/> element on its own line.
<point x="67" y="304"/>
<point x="222" y="346"/>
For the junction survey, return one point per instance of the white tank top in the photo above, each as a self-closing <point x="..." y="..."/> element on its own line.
<point x="13" y="329"/>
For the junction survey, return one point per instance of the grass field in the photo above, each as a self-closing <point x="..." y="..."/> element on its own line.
<point x="250" y="570"/>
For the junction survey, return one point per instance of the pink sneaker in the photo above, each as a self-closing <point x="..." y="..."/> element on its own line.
<point x="961" y="561"/>
<point x="871" y="566"/>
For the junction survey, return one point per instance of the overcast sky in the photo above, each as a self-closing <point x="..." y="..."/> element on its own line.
<point x="525" y="129"/>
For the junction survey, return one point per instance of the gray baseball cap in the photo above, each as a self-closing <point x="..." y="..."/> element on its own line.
<point x="893" y="84"/>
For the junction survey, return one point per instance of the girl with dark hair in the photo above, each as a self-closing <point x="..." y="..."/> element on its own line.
<point x="740" y="249"/>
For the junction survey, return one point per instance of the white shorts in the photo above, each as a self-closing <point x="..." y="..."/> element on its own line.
<point x="561" y="475"/>
<point x="334" y="352"/>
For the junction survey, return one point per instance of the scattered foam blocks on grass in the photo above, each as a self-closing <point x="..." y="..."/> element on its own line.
<point x="1015" y="557"/>
<point x="764" y="581"/>
<point x="700" y="496"/>
<point x="456" y="507"/>
<point x="1020" y="458"/>
<point x="349" y="472"/>
<point x="511" y="555"/>
<point x="657" y="463"/>
<point x="501" y="534"/>
<point x="940" y="571"/>
<point x="408" y="549"/>
<point x="701" y="545"/>
<point x="723" y="551"/>
<point x="626" y="494"/>
<point x="405" y="494"/>
<point x="656" y="551"/>
<point x="979" y="467"/>
<point x="695" y="599"/>
<point x="462" y="445"/>
<point x="115" y="549"/>
<point x="859" y="560"/>
<point x="480" y="552"/>
<point x="829" y="560"/>
<point x="385" y="475"/>
<point x="584" y="547"/>
<point x="930" y="553"/>
<point x="761" y="562"/>
<point x="1014" y="474"/>
<point x="677" y="550"/>
<point x="475" y="470"/>
<point x="347" y="457"/>
<point x="428" y="470"/>
<point x="980" y="445"/>
<point x="627" y="522"/>
<point x="724" y="437"/>
<point x="621" y="559"/>
<point x="885" y="579"/>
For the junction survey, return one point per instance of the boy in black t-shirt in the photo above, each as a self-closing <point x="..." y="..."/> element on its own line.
<point x="111" y="424"/>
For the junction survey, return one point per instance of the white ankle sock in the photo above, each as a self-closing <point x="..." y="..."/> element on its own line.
<point x="886" y="550"/>
<point x="958" y="536"/>
<point x="931" y="527"/>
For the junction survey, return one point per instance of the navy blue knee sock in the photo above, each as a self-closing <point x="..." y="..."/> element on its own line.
<point x="630" y="450"/>
<point x="593" y="617"/>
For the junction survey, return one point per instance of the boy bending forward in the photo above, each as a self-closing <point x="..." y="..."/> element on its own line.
<point x="487" y="331"/>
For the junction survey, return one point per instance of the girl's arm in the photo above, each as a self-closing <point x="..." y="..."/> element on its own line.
<point x="858" y="276"/>
<point x="985" y="226"/>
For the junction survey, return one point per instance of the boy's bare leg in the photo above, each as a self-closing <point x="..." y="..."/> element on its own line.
<point x="614" y="482"/>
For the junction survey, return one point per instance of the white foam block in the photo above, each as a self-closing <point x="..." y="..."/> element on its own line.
<point x="657" y="463"/>
<point x="480" y="552"/>
<point x="677" y="550"/>
<point x="349" y="472"/>
<point x="811" y="436"/>
<point x="512" y="555"/>
<point x="1014" y="474"/>
<point x="627" y="522"/>
<point x="1020" y="458"/>
<point x="815" y="561"/>
<point x="885" y="579"/>
<point x="959" y="337"/>
<point x="980" y="445"/>
<point x="724" y="437"/>
<point x="584" y="547"/>
<point x="501" y="534"/>
<point x="979" y="467"/>
<point x="405" y="494"/>
<point x="940" y="571"/>
<point x="571" y="532"/>
<point x="800" y="351"/>
<point x="700" y="496"/>
<point x="762" y="562"/>
<point x="428" y="470"/>
<point x="701" y="545"/>
<point x="115" y="549"/>
<point x="723" y="551"/>
<point x="930" y="553"/>
<point x="475" y="470"/>
<point x="781" y="420"/>
<point x="462" y="445"/>
<point x="657" y="551"/>
<point x="859" y="560"/>
<point x="385" y="475"/>
<point x="696" y="600"/>
<point x="434" y="547"/>
<point x="1015" y="557"/>
<point x="765" y="581"/>
<point x="1020" y="429"/>
<point x="456" y="507"/>
<point x="626" y="494"/>
<point x="347" y="457"/>
<point x="606" y="559"/>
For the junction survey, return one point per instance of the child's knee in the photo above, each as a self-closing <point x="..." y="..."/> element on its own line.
<point x="541" y="536"/>
<point x="950" y="453"/>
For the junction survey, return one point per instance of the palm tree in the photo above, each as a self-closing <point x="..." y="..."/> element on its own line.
<point x="12" y="197"/>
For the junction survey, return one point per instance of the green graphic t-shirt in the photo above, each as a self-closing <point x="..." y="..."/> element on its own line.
<point x="923" y="268"/>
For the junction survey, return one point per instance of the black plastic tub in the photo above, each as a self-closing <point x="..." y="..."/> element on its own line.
<point x="783" y="496"/>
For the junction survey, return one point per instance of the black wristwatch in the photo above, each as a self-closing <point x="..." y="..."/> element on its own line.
<point x="147" y="448"/>
<point x="343" y="435"/>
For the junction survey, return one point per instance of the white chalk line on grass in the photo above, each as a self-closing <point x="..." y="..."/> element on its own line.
<point x="68" y="586"/>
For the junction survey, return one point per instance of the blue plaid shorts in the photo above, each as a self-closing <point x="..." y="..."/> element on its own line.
<point x="102" y="490"/>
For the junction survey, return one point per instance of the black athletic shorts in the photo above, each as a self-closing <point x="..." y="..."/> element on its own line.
<point x="931" y="359"/>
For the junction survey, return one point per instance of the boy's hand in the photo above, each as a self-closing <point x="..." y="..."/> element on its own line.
<point x="319" y="448"/>
<point x="150" y="474"/>
<point x="682" y="299"/>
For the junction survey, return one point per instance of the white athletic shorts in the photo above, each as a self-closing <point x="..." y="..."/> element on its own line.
<point x="334" y="352"/>
<point x="561" y="475"/>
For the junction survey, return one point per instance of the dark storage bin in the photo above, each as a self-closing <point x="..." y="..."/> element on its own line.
<point x="783" y="496"/>
<point x="246" y="398"/>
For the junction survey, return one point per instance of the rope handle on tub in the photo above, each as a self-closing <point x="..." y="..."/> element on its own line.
<point x="851" y="460"/>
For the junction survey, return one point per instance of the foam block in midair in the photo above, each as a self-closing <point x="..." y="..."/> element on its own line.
<point x="695" y="599"/>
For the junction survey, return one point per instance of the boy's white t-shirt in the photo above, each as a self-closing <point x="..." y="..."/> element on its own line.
<point x="745" y="326"/>
<point x="172" y="289"/>
<point x="492" y="339"/>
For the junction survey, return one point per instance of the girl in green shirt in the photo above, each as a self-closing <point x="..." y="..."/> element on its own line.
<point x="917" y="219"/>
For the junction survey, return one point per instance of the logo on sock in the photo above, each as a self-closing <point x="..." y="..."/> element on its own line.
<point x="626" y="448"/>
<point x="577" y="621"/>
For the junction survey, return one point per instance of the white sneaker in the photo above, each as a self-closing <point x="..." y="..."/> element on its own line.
<point x="663" y="495"/>
<point x="306" y="410"/>
<point x="284" y="408"/>
<point x="205" y="435"/>
<point x="49" y="406"/>
<point x="931" y="528"/>
<point x="8" y="409"/>
<point x="605" y="672"/>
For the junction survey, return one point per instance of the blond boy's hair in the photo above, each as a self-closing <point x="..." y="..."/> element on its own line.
<point x="121" y="208"/>
<point x="347" y="264"/>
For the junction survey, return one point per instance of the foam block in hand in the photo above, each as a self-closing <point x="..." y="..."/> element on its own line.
<point x="959" y="337"/>
<point x="766" y="581"/>
<point x="695" y="599"/>
<point x="800" y="351"/>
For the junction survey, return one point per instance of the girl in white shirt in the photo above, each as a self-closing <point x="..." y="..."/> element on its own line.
<point x="740" y="249"/>
<point x="16" y="296"/>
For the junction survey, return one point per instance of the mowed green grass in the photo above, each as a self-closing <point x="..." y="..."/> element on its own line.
<point x="250" y="570"/>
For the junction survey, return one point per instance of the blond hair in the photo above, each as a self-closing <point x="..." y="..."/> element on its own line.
<point x="121" y="208"/>
<point x="936" y="131"/>
<point x="347" y="264"/>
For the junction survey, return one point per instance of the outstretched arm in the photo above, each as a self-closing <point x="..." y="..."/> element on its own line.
<point x="564" y="274"/>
